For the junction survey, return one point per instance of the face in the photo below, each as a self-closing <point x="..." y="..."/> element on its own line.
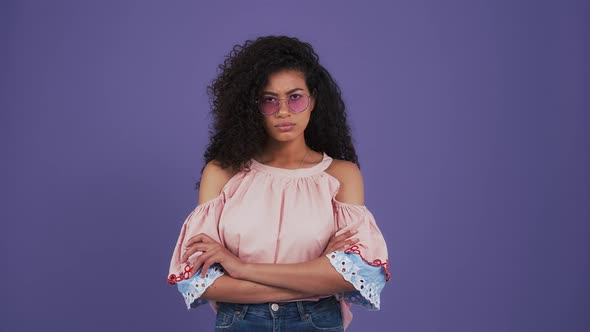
<point x="286" y="86"/>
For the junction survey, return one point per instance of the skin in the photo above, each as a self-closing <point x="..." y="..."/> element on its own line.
<point x="286" y="149"/>
<point x="259" y="283"/>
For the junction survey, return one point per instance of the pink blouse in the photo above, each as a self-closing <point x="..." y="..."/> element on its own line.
<point x="276" y="215"/>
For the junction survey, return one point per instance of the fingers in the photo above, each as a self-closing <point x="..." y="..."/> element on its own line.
<point x="341" y="245"/>
<point x="208" y="262"/>
<point x="341" y="238"/>
<point x="201" y="237"/>
<point x="347" y="242"/>
<point x="202" y="259"/>
<point x="213" y="258"/>
<point x="344" y="235"/>
<point x="194" y="248"/>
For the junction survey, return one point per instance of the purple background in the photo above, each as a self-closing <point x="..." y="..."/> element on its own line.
<point x="470" y="118"/>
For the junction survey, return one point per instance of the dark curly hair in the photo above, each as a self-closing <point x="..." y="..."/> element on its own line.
<point x="237" y="133"/>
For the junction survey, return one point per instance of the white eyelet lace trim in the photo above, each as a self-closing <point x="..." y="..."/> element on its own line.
<point x="192" y="289"/>
<point x="368" y="290"/>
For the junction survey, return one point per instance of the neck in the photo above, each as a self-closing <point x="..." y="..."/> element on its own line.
<point x="284" y="153"/>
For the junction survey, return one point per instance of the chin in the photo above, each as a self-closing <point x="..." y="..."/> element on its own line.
<point x="284" y="137"/>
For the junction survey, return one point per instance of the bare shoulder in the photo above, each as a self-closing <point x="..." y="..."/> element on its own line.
<point x="213" y="179"/>
<point x="351" y="181"/>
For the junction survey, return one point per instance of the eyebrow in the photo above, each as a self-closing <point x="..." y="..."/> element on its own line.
<point x="276" y="94"/>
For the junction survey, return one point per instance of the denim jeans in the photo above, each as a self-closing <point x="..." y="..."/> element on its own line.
<point x="322" y="315"/>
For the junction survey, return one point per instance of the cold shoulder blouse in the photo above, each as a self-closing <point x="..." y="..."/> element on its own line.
<point x="275" y="215"/>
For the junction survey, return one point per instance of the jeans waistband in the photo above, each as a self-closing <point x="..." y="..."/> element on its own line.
<point x="282" y="309"/>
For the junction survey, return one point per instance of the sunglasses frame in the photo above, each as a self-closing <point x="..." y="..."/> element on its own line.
<point x="288" y="106"/>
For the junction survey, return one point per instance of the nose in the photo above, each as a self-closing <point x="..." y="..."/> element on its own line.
<point x="283" y="108"/>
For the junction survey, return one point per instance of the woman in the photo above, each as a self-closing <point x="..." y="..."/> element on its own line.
<point x="280" y="238"/>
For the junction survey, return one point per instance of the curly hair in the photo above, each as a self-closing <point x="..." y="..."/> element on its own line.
<point x="237" y="132"/>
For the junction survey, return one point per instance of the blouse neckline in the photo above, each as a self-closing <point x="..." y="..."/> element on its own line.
<point x="299" y="172"/>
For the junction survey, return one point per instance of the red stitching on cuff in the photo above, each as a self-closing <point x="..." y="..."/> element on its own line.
<point x="173" y="278"/>
<point x="377" y="262"/>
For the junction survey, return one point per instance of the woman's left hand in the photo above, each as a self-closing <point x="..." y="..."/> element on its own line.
<point x="341" y="242"/>
<point x="213" y="252"/>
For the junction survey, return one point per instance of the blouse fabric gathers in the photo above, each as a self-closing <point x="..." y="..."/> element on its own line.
<point x="276" y="215"/>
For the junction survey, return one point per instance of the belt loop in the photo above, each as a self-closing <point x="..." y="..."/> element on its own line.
<point x="243" y="309"/>
<point x="301" y="310"/>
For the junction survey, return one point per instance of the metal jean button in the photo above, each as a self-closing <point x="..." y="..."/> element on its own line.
<point x="274" y="307"/>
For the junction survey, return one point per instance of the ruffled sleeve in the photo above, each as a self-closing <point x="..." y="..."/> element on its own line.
<point x="203" y="219"/>
<point x="365" y="264"/>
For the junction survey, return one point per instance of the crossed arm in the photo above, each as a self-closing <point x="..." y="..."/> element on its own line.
<point x="258" y="283"/>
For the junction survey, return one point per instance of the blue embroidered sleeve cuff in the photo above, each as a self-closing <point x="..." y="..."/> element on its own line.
<point x="368" y="280"/>
<point x="192" y="288"/>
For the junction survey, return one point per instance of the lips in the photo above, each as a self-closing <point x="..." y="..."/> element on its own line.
<point x="285" y="126"/>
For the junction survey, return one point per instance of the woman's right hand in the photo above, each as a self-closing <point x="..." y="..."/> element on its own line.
<point x="340" y="242"/>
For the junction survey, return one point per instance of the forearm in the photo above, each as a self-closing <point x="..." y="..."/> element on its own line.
<point x="317" y="276"/>
<point x="229" y="289"/>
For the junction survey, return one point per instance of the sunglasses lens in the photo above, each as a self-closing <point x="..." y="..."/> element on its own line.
<point x="298" y="103"/>
<point x="267" y="106"/>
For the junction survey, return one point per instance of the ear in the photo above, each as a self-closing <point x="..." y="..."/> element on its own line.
<point x="312" y="100"/>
